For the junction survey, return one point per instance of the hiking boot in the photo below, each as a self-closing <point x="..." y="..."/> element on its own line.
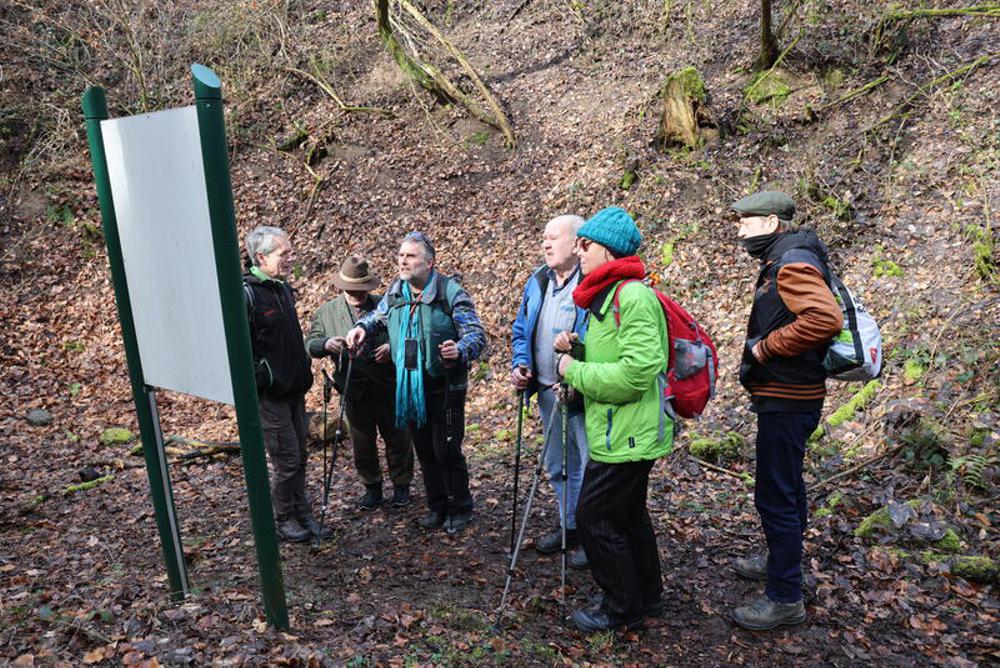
<point x="752" y="567"/>
<point x="651" y="609"/>
<point x="592" y="620"/>
<point x="577" y="559"/>
<point x="763" y="614"/>
<point x="310" y="524"/>
<point x="401" y="496"/>
<point x="552" y="543"/>
<point x="457" y="521"/>
<point x="434" y="519"/>
<point x="372" y="498"/>
<point x="293" y="532"/>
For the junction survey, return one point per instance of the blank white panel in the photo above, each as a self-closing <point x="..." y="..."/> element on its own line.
<point x="158" y="187"/>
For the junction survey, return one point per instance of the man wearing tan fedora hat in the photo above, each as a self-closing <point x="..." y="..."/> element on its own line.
<point x="370" y="400"/>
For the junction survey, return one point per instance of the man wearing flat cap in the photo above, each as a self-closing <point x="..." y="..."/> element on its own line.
<point x="370" y="396"/>
<point x="792" y="321"/>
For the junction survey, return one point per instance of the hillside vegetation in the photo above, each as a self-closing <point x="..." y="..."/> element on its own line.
<point x="879" y="119"/>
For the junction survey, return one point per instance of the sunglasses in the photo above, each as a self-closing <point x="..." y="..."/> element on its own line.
<point x="583" y="244"/>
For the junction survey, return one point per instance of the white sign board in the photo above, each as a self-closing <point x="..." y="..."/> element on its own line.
<point x="161" y="203"/>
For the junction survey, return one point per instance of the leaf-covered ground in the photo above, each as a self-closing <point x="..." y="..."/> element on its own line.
<point x="901" y="181"/>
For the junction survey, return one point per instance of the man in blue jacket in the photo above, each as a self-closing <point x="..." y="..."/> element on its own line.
<point x="546" y="310"/>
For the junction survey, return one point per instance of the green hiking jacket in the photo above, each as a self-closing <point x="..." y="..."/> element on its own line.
<point x="368" y="378"/>
<point x="622" y="376"/>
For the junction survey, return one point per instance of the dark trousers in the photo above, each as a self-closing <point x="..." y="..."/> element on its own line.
<point x="284" y="427"/>
<point x="780" y="497"/>
<point x="618" y="538"/>
<point x="372" y="415"/>
<point x="439" y="448"/>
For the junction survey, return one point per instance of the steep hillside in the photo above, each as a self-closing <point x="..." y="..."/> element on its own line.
<point x="884" y="130"/>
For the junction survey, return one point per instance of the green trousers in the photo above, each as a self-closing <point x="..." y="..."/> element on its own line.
<point x="366" y="419"/>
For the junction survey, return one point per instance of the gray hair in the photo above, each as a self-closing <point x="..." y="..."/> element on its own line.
<point x="261" y="240"/>
<point x="421" y="239"/>
<point x="574" y="221"/>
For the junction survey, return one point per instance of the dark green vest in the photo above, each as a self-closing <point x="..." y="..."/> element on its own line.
<point x="433" y="313"/>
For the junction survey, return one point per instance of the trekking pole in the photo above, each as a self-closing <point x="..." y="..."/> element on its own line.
<point x="327" y="394"/>
<point x="337" y="437"/>
<point x="449" y="455"/>
<point x="517" y="466"/>
<point x="564" y="415"/>
<point x="535" y="479"/>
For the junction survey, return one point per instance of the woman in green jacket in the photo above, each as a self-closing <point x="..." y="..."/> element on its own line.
<point x="621" y="377"/>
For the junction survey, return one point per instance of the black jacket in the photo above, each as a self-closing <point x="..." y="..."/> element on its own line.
<point x="796" y="316"/>
<point x="281" y="364"/>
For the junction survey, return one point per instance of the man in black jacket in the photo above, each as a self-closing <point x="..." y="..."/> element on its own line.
<point x="283" y="376"/>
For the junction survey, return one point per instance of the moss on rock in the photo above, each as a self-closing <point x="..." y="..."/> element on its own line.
<point x="877" y="521"/>
<point x="880" y="521"/>
<point x="713" y="448"/>
<point x="950" y="543"/>
<point x="972" y="567"/>
<point x="976" y="568"/>
<point x="116" y="436"/>
<point x="771" y="86"/>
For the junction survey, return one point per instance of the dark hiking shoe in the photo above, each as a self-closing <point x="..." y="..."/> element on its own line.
<point x="457" y="521"/>
<point x="577" y="559"/>
<point x="434" y="519"/>
<point x="372" y="498"/>
<point x="552" y="543"/>
<point x="312" y="526"/>
<point x="293" y="532"/>
<point x="592" y="620"/>
<point x="752" y="567"/>
<point x="763" y="614"/>
<point x="401" y="496"/>
<point x="654" y="608"/>
<point x="651" y="609"/>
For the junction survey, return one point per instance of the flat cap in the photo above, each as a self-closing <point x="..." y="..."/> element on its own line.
<point x="766" y="203"/>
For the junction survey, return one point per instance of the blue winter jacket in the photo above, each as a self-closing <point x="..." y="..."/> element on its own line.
<point x="523" y="339"/>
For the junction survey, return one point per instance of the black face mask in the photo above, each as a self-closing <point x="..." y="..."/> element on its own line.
<point x="758" y="246"/>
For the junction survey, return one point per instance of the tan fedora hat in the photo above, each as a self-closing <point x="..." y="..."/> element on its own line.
<point x="354" y="275"/>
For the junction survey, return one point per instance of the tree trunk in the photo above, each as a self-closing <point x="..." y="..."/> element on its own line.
<point x="768" y="45"/>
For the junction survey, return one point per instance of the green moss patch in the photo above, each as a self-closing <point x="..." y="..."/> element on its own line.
<point x="913" y="370"/>
<point x="847" y="411"/>
<point x="770" y="86"/>
<point x="716" y="447"/>
<point x="116" y="436"/>
<point x="880" y="522"/>
<point x="689" y="81"/>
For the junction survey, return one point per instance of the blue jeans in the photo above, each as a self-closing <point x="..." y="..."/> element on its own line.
<point x="578" y="454"/>
<point x="780" y="497"/>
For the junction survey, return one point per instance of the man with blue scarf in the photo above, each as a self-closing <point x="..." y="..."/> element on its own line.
<point x="434" y="334"/>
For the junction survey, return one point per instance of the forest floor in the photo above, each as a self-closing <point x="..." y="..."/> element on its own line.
<point x="899" y="180"/>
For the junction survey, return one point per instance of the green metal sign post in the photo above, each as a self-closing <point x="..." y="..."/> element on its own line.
<point x="215" y="160"/>
<point x="215" y="157"/>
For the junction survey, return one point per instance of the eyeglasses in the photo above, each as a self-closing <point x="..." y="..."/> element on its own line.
<point x="583" y="244"/>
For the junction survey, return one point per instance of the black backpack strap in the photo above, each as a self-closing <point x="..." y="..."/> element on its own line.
<point x="441" y="294"/>
<point x="248" y="294"/>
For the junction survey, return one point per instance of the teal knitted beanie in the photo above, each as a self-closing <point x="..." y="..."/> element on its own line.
<point x="614" y="229"/>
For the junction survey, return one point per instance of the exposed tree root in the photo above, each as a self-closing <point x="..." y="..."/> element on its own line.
<point x="431" y="78"/>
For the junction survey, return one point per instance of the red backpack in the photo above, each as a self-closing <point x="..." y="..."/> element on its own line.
<point x="693" y="363"/>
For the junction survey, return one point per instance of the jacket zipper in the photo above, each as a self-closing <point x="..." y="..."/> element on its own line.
<point x="607" y="435"/>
